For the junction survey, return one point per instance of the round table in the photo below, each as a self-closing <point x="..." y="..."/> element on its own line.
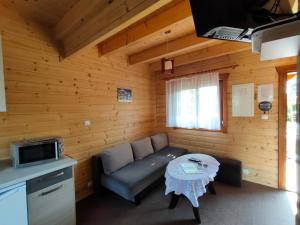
<point x="191" y="184"/>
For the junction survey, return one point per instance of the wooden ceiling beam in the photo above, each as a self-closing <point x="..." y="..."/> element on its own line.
<point x="219" y="50"/>
<point x="289" y="6"/>
<point x="90" y="22"/>
<point x="153" y="23"/>
<point x="77" y="16"/>
<point x="177" y="46"/>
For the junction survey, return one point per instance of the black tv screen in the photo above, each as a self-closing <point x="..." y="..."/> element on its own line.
<point x="233" y="19"/>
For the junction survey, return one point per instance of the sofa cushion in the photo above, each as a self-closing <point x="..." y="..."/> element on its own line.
<point x="160" y="141"/>
<point x="116" y="158"/>
<point x="142" y="148"/>
<point x="135" y="177"/>
<point x="171" y="152"/>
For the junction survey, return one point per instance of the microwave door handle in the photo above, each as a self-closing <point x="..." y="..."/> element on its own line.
<point x="56" y="151"/>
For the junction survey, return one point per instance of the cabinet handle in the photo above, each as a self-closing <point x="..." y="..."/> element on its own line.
<point x="51" y="191"/>
<point x="52" y="177"/>
<point x="59" y="174"/>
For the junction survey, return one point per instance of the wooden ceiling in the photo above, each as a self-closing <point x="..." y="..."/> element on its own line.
<point x="45" y="12"/>
<point x="167" y="34"/>
<point x="141" y="46"/>
<point x="134" y="27"/>
<point x="78" y="25"/>
<point x="50" y="12"/>
<point x="290" y="6"/>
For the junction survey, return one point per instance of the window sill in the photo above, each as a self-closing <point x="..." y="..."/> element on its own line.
<point x="199" y="129"/>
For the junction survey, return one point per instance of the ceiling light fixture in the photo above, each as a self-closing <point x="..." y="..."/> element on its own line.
<point x="167" y="65"/>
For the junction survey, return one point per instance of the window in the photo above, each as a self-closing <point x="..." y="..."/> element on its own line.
<point x="196" y="102"/>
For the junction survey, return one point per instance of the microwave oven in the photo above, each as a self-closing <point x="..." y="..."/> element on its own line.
<point x="36" y="151"/>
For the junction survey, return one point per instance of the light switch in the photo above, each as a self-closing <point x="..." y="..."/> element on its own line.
<point x="87" y="123"/>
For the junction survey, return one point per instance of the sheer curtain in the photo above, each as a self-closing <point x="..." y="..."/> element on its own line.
<point x="194" y="102"/>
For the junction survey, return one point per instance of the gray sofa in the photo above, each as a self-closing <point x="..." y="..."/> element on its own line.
<point x="130" y="169"/>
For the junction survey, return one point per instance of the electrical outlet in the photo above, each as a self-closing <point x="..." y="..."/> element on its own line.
<point x="90" y="184"/>
<point x="246" y="172"/>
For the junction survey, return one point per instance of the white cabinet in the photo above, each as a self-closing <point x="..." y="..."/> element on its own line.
<point x="2" y="86"/>
<point x="54" y="205"/>
<point x="38" y="195"/>
<point x="51" y="199"/>
<point x="13" y="205"/>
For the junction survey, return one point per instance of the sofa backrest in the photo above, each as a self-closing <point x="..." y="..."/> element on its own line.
<point x="160" y="141"/>
<point x="142" y="148"/>
<point x="119" y="156"/>
<point x="116" y="158"/>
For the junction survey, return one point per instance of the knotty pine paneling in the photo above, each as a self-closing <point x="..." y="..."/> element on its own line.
<point x="251" y="140"/>
<point x="46" y="96"/>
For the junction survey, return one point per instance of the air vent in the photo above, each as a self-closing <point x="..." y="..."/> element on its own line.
<point x="230" y="33"/>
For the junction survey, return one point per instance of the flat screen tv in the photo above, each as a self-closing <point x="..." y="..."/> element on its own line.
<point x="234" y="19"/>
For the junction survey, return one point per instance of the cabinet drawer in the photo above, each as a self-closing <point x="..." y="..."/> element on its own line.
<point x="53" y="205"/>
<point x="49" y="179"/>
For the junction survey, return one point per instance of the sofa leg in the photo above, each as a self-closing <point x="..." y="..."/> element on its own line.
<point x="136" y="201"/>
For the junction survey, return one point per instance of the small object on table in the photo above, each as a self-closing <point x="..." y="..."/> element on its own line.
<point x="192" y="159"/>
<point x="184" y="177"/>
<point x="190" y="168"/>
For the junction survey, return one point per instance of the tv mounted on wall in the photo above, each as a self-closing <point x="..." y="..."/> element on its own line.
<point x="235" y="19"/>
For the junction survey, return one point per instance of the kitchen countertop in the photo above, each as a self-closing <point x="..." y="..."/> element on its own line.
<point x="10" y="175"/>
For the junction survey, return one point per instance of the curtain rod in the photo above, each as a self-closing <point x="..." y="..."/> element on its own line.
<point x="203" y="71"/>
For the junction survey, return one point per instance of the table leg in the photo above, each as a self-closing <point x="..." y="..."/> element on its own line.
<point x="211" y="188"/>
<point x="197" y="214"/>
<point x="174" y="200"/>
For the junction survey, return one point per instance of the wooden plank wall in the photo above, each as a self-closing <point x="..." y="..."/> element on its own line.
<point x="49" y="97"/>
<point x="251" y="140"/>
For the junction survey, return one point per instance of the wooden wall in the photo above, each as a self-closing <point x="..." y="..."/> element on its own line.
<point x="46" y="96"/>
<point x="251" y="140"/>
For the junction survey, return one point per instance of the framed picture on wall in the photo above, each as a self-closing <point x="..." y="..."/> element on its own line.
<point x="124" y="95"/>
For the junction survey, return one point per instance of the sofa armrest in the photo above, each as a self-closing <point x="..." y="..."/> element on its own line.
<point x="97" y="170"/>
<point x="230" y="171"/>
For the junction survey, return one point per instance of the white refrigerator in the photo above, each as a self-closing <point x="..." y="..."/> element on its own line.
<point x="13" y="205"/>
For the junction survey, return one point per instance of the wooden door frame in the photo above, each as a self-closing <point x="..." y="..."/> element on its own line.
<point x="282" y="112"/>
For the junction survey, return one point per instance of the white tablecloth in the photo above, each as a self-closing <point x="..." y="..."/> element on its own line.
<point x="190" y="185"/>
